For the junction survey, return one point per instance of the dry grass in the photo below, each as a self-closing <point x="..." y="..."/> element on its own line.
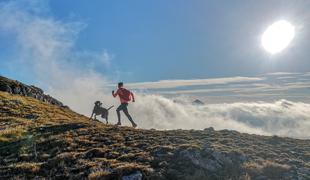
<point x="12" y="134"/>
<point x="28" y="167"/>
<point x="98" y="174"/>
<point x="269" y="169"/>
<point x="68" y="144"/>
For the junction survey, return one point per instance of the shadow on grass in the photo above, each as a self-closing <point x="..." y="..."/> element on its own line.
<point x="57" y="129"/>
<point x="15" y="147"/>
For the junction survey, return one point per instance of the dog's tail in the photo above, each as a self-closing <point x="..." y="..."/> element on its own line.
<point x="110" y="107"/>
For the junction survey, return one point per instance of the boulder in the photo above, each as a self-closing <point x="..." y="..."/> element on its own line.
<point x="134" y="176"/>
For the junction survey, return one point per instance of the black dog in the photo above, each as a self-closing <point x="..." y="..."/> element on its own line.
<point x="98" y="110"/>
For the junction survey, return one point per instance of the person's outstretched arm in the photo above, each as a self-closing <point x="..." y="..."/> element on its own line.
<point x="114" y="94"/>
<point x="133" y="97"/>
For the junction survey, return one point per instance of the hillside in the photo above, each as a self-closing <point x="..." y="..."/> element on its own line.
<point x="42" y="140"/>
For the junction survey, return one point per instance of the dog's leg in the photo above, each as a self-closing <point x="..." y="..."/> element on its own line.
<point x="107" y="121"/>
<point x="91" y="116"/>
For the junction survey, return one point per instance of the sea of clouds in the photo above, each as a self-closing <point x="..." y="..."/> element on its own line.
<point x="45" y="47"/>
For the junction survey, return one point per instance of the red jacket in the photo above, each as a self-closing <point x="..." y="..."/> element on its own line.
<point x="119" y="93"/>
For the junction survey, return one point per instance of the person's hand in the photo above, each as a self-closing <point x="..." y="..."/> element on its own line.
<point x="133" y="100"/>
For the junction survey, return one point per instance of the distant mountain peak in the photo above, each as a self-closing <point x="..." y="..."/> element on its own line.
<point x="198" y="102"/>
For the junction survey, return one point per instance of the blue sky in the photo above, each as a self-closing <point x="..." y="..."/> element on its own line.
<point x="143" y="41"/>
<point x="187" y="39"/>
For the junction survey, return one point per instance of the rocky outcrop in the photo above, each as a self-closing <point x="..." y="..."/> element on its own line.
<point x="198" y="163"/>
<point x="16" y="87"/>
<point x="135" y="176"/>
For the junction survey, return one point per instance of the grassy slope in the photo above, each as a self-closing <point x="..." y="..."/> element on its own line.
<point x="42" y="140"/>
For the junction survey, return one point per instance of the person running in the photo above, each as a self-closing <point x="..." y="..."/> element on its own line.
<point x="125" y="97"/>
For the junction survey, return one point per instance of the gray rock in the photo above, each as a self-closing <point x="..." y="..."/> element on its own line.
<point x="209" y="129"/>
<point x="40" y="97"/>
<point x="163" y="163"/>
<point x="261" y="178"/>
<point x="5" y="88"/>
<point x="305" y="171"/>
<point x="135" y="176"/>
<point x="95" y="153"/>
<point x="197" y="102"/>
<point x="199" y="161"/>
<point x="37" y="89"/>
<point x="23" y="91"/>
<point x="213" y="161"/>
<point x="16" y="90"/>
<point x="221" y="158"/>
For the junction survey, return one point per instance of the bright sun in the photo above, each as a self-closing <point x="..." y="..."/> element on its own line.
<point x="278" y="36"/>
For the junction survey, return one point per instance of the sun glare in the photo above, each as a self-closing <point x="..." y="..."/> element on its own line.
<point x="278" y="36"/>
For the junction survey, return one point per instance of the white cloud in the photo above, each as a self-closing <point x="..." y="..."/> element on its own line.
<point x="199" y="91"/>
<point x="283" y="73"/>
<point x="279" y="87"/>
<point x="297" y="85"/>
<point x="286" y="77"/>
<point x="232" y="88"/>
<point x="282" y="117"/>
<point x="194" y="82"/>
<point x="306" y="74"/>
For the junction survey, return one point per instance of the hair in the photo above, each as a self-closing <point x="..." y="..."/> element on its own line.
<point x="120" y="84"/>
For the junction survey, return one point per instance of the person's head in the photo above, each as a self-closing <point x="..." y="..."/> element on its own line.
<point x="120" y="84"/>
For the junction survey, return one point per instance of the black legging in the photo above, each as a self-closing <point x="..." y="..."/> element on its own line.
<point x="123" y="107"/>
